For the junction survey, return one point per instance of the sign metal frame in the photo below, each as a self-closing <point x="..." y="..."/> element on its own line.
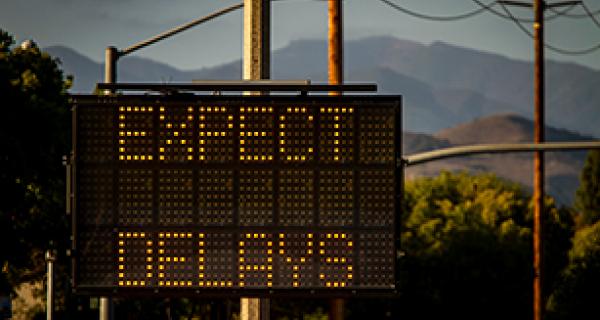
<point x="89" y="101"/>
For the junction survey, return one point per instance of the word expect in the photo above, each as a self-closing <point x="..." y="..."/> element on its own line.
<point x="220" y="133"/>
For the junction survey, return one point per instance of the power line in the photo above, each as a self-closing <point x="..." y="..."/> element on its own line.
<point x="579" y="15"/>
<point x="506" y="15"/>
<point x="482" y="7"/>
<point x="549" y="46"/>
<point x="557" y="13"/>
<point x="438" y="18"/>
<point x="590" y="14"/>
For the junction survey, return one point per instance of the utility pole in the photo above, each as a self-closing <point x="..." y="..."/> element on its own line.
<point x="336" y="43"/>
<point x="539" y="6"/>
<point x="336" y="76"/>
<point x="538" y="158"/>
<point x="256" y="66"/>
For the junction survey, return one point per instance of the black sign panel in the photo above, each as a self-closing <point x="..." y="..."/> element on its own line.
<point x="236" y="194"/>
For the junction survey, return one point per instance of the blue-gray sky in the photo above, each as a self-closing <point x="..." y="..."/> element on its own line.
<point x="88" y="26"/>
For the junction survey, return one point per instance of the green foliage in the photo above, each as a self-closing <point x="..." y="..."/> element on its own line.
<point x="468" y="250"/>
<point x="317" y="315"/>
<point x="576" y="297"/>
<point x="34" y="135"/>
<point x="587" y="198"/>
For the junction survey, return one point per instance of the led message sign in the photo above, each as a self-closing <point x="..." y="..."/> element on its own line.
<point x="237" y="194"/>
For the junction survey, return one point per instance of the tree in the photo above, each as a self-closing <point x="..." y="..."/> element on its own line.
<point x="576" y="297"/>
<point x="576" y="292"/>
<point x="34" y="135"/>
<point x="468" y="248"/>
<point x="587" y="198"/>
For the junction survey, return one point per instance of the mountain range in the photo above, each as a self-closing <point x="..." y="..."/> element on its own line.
<point x="451" y="96"/>
<point x="443" y="85"/>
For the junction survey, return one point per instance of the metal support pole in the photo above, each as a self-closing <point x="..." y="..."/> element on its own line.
<point x="257" y="42"/>
<point x="255" y="309"/>
<point x="256" y="66"/>
<point x="50" y="258"/>
<point x="110" y="76"/>
<point x="110" y="66"/>
<point x="538" y="160"/>
<point x="336" y="76"/>
<point x="106" y="308"/>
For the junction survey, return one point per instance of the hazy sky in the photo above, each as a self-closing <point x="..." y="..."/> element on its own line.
<point x="88" y="26"/>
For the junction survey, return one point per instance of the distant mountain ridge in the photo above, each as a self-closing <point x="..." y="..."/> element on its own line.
<point x="503" y="128"/>
<point x="442" y="85"/>
<point x="562" y="168"/>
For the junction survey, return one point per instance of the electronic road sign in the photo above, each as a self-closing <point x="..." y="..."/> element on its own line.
<point x="247" y="195"/>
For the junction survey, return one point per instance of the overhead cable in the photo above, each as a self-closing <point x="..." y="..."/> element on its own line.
<point x="557" y="13"/>
<point x="437" y="18"/>
<point x="590" y="15"/>
<point x="549" y="46"/>
<point x="578" y="15"/>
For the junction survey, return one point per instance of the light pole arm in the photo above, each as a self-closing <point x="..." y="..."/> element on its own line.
<point x="113" y="54"/>
<point x="423" y="157"/>
<point x="179" y="29"/>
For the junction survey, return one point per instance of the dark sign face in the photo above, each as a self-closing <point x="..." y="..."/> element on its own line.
<point x="236" y="194"/>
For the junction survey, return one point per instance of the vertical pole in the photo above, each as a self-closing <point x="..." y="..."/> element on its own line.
<point x="255" y="309"/>
<point x="336" y="76"/>
<point x="50" y="258"/>
<point x="336" y="309"/>
<point x="538" y="161"/>
<point x="110" y="66"/>
<point x="110" y="76"/>
<point x="256" y="66"/>
<point x="106" y="310"/>
<point x="336" y="43"/>
<point x="257" y="42"/>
